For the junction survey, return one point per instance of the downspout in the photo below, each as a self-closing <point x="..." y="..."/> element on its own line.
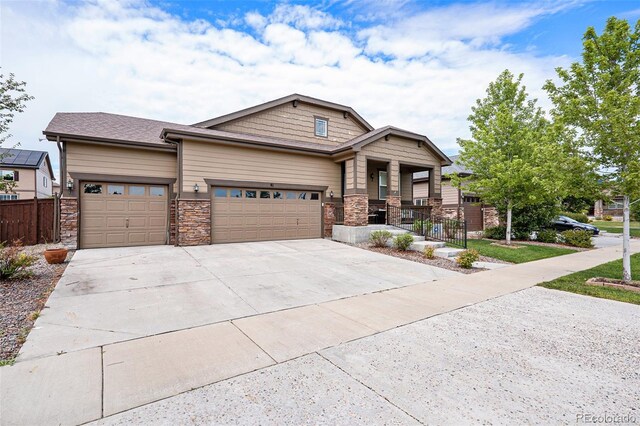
<point x="179" y="189"/>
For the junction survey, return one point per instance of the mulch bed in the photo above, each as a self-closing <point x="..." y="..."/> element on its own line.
<point x="419" y="257"/>
<point x="22" y="299"/>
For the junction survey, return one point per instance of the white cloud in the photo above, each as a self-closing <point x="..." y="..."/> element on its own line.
<point x="421" y="72"/>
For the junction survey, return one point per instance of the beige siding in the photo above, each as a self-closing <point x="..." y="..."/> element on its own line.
<point x="404" y="150"/>
<point x="449" y="193"/>
<point x="101" y="159"/>
<point x="372" y="185"/>
<point x="406" y="186"/>
<point x="214" y="161"/>
<point x="25" y="188"/>
<point x="287" y="122"/>
<point x="420" y="190"/>
<point x="349" y="174"/>
<point x="361" y="178"/>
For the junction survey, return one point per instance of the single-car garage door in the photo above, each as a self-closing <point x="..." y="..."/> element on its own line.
<point x="245" y="214"/>
<point x="118" y="214"/>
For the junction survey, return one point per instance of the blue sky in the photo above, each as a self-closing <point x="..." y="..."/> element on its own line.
<point x="415" y="65"/>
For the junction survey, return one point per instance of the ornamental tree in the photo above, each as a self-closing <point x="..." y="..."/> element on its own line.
<point x="12" y="100"/>
<point x="600" y="97"/>
<point x="513" y="150"/>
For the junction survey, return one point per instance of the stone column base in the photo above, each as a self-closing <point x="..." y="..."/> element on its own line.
<point x="490" y="217"/>
<point x="356" y="210"/>
<point x="453" y="213"/>
<point x="436" y="206"/>
<point x="329" y="217"/>
<point x="194" y="222"/>
<point x="69" y="222"/>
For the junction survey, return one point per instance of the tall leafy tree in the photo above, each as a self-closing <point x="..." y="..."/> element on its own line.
<point x="13" y="98"/>
<point x="600" y="97"/>
<point x="512" y="150"/>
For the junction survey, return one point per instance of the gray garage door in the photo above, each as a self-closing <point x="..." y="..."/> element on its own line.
<point x="246" y="214"/>
<point x="118" y="214"/>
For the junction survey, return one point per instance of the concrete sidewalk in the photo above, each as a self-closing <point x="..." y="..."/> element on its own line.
<point x="86" y="385"/>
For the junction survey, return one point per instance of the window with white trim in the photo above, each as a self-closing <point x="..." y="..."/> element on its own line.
<point x="5" y="197"/>
<point x="44" y="181"/>
<point x="382" y="185"/>
<point x="7" y="174"/>
<point x="420" y="201"/>
<point x="321" y="127"/>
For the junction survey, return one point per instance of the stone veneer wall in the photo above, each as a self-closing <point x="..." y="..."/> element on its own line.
<point x="452" y="213"/>
<point x="172" y="222"/>
<point x="356" y="210"/>
<point x="436" y="206"/>
<point x="394" y="200"/>
<point x="69" y="222"/>
<point x="598" y="209"/>
<point x="329" y="218"/>
<point x="194" y="222"/>
<point x="490" y="216"/>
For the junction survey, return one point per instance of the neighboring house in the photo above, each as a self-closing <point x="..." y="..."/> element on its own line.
<point x="456" y="201"/>
<point x="612" y="207"/>
<point x="278" y="170"/>
<point x="31" y="170"/>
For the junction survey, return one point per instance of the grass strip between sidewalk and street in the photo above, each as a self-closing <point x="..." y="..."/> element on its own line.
<point x="616" y="227"/>
<point x="526" y="252"/>
<point x="575" y="283"/>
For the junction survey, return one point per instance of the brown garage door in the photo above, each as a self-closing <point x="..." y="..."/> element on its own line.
<point x="473" y="216"/>
<point x="245" y="214"/>
<point x="118" y="214"/>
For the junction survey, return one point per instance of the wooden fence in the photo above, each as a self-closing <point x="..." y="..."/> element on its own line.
<point x="31" y="221"/>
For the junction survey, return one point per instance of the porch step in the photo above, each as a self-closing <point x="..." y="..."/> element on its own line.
<point x="448" y="252"/>
<point x="419" y="245"/>
<point x="416" y="239"/>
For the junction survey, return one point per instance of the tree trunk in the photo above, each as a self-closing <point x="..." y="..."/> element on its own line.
<point x="626" y="249"/>
<point x="508" y="236"/>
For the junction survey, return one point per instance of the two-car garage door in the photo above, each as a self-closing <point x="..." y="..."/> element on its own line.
<point x="246" y="214"/>
<point x="119" y="214"/>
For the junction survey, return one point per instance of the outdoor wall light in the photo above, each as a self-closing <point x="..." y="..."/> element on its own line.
<point x="69" y="184"/>
<point x="331" y="194"/>
<point x="196" y="188"/>
<point x="371" y="176"/>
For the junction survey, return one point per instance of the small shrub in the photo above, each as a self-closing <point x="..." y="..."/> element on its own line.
<point x="14" y="262"/>
<point x="580" y="217"/>
<point x="403" y="241"/>
<point x="467" y="257"/>
<point x="380" y="238"/>
<point x="607" y="218"/>
<point x="420" y="225"/>
<point x="577" y="238"/>
<point x="429" y="252"/>
<point x="547" y="236"/>
<point x="496" y="232"/>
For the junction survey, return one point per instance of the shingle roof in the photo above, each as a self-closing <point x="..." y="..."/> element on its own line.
<point x="454" y="168"/>
<point x="23" y="158"/>
<point x="105" y="126"/>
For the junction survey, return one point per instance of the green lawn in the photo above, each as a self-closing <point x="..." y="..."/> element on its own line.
<point x="575" y="283"/>
<point x="616" y="227"/>
<point x="525" y="254"/>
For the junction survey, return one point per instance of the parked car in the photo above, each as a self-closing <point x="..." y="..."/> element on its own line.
<point x="564" y="223"/>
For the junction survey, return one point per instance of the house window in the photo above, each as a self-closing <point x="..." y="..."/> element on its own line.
<point x="5" y="197"/>
<point x="44" y="181"/>
<point x="321" y="127"/>
<point x="7" y="174"/>
<point x="616" y="204"/>
<point x="382" y="185"/>
<point x="420" y="202"/>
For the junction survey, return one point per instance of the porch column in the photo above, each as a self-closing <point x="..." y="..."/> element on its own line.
<point x="356" y="200"/>
<point x="393" y="184"/>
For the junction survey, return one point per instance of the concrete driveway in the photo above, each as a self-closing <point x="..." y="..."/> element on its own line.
<point x="113" y="295"/>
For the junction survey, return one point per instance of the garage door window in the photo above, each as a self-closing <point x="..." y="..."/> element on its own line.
<point x="220" y="193"/>
<point x="277" y="195"/>
<point x="302" y="196"/>
<point x="250" y="194"/>
<point x="236" y="193"/>
<point x="291" y="196"/>
<point x="265" y="194"/>
<point x="92" y="188"/>
<point x="156" y="191"/>
<point x="315" y="196"/>
<point x="115" y="189"/>
<point x="136" y="190"/>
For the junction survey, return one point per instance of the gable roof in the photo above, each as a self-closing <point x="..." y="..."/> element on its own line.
<point x="281" y="101"/>
<point x="25" y="159"/>
<point x="367" y="138"/>
<point x="115" y="128"/>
